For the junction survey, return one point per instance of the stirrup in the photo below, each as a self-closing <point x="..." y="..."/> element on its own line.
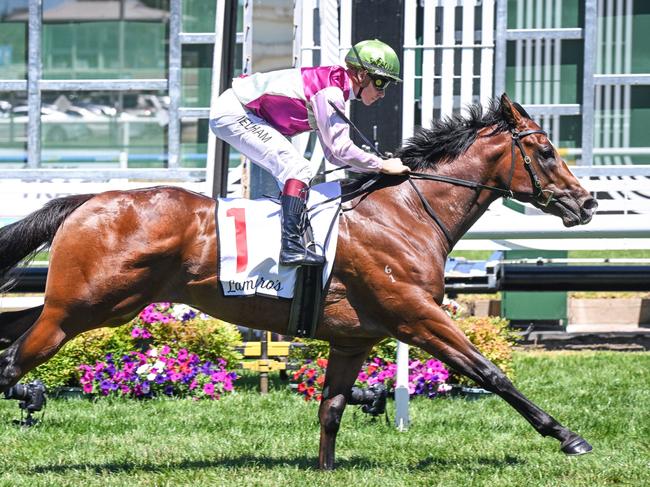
<point x="306" y="257"/>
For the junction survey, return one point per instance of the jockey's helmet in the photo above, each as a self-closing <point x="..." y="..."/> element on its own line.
<point x="376" y="57"/>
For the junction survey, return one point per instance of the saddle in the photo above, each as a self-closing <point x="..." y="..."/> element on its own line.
<point x="248" y="232"/>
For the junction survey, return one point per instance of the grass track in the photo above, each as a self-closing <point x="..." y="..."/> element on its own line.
<point x="246" y="439"/>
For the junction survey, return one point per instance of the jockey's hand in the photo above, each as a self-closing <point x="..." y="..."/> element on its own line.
<point x="394" y="166"/>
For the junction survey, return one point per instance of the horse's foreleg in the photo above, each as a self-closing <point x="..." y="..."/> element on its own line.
<point x="438" y="335"/>
<point x="13" y="324"/>
<point x="342" y="370"/>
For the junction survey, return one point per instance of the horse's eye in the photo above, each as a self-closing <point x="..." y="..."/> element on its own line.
<point x="547" y="153"/>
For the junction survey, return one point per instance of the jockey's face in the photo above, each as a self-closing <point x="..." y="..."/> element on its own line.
<point x="370" y="93"/>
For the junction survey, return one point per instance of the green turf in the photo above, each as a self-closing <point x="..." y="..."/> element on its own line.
<point x="247" y="439"/>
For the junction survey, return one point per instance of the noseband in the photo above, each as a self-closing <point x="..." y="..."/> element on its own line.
<point x="542" y="197"/>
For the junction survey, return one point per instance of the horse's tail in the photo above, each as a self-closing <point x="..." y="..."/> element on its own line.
<point x="26" y="237"/>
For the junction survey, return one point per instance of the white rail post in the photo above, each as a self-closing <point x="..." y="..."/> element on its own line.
<point x="408" y="94"/>
<point x="402" y="387"/>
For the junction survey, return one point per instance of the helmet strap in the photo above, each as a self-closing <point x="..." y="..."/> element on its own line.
<point x="362" y="85"/>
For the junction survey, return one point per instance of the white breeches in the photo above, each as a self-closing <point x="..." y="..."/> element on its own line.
<point x="257" y="140"/>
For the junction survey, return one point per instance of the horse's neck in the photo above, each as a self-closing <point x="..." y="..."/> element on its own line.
<point x="460" y="207"/>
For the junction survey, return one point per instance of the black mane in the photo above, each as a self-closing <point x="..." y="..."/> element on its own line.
<point x="451" y="136"/>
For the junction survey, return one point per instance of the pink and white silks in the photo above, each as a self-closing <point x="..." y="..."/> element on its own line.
<point x="258" y="114"/>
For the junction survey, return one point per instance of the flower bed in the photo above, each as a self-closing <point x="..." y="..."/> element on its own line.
<point x="426" y="378"/>
<point x="167" y="350"/>
<point x="158" y="372"/>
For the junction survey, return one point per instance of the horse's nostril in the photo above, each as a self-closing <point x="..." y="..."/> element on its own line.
<point x="590" y="204"/>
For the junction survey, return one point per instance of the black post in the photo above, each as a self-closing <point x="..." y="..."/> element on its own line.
<point x="222" y="150"/>
<point x="383" y="20"/>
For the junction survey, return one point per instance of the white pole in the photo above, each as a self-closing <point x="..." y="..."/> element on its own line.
<point x="300" y="141"/>
<point x="487" y="53"/>
<point x="329" y="56"/>
<point x="447" y="83"/>
<point x="219" y="24"/>
<point x="408" y="86"/>
<point x="329" y="32"/>
<point x="408" y="93"/>
<point x="428" y="61"/>
<point x="401" y="387"/>
<point x="467" y="56"/>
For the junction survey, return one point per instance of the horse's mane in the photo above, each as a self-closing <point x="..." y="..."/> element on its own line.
<point x="450" y="137"/>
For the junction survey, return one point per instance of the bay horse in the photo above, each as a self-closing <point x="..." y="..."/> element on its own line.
<point x="113" y="253"/>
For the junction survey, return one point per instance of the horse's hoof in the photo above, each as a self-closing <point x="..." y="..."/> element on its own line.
<point x="576" y="446"/>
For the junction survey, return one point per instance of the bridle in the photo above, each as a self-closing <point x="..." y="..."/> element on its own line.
<point x="542" y="197"/>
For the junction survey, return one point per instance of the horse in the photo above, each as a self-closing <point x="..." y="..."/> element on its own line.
<point x="113" y="253"/>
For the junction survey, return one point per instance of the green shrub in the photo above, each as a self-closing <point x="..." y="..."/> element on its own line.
<point x="493" y="338"/>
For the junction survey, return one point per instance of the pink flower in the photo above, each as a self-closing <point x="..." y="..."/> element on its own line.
<point x="209" y="389"/>
<point x="88" y="388"/>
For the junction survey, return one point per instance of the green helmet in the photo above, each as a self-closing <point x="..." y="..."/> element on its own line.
<point x="376" y="57"/>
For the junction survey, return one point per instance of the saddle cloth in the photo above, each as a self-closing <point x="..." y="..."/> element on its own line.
<point x="249" y="242"/>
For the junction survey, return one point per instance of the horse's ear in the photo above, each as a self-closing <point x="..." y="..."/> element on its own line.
<point x="510" y="112"/>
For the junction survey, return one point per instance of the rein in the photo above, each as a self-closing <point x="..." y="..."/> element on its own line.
<point x="543" y="197"/>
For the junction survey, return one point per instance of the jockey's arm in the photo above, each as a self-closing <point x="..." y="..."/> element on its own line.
<point x="334" y="134"/>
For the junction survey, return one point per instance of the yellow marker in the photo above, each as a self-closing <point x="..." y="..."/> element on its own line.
<point x="274" y="349"/>
<point x="264" y="365"/>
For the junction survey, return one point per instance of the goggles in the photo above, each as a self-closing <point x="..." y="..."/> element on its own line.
<point x="379" y="82"/>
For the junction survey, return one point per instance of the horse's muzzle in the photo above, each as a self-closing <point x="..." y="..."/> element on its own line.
<point x="574" y="211"/>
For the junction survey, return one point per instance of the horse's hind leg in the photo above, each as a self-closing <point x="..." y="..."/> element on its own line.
<point x="13" y="324"/>
<point x="438" y="335"/>
<point x="342" y="370"/>
<point x="35" y="346"/>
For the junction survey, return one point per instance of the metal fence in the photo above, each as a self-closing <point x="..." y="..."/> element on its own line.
<point x="455" y="52"/>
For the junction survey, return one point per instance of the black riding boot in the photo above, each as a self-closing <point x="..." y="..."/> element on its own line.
<point x="293" y="251"/>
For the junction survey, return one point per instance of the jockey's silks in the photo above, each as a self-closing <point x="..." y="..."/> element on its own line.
<point x="283" y="97"/>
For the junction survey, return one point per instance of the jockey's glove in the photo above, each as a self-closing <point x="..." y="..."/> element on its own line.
<point x="394" y="166"/>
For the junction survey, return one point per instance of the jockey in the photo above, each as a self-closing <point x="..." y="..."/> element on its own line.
<point x="260" y="111"/>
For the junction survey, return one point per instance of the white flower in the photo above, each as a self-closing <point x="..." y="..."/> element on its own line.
<point x="143" y="369"/>
<point x="151" y="376"/>
<point x="179" y="310"/>
<point x="159" y="365"/>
